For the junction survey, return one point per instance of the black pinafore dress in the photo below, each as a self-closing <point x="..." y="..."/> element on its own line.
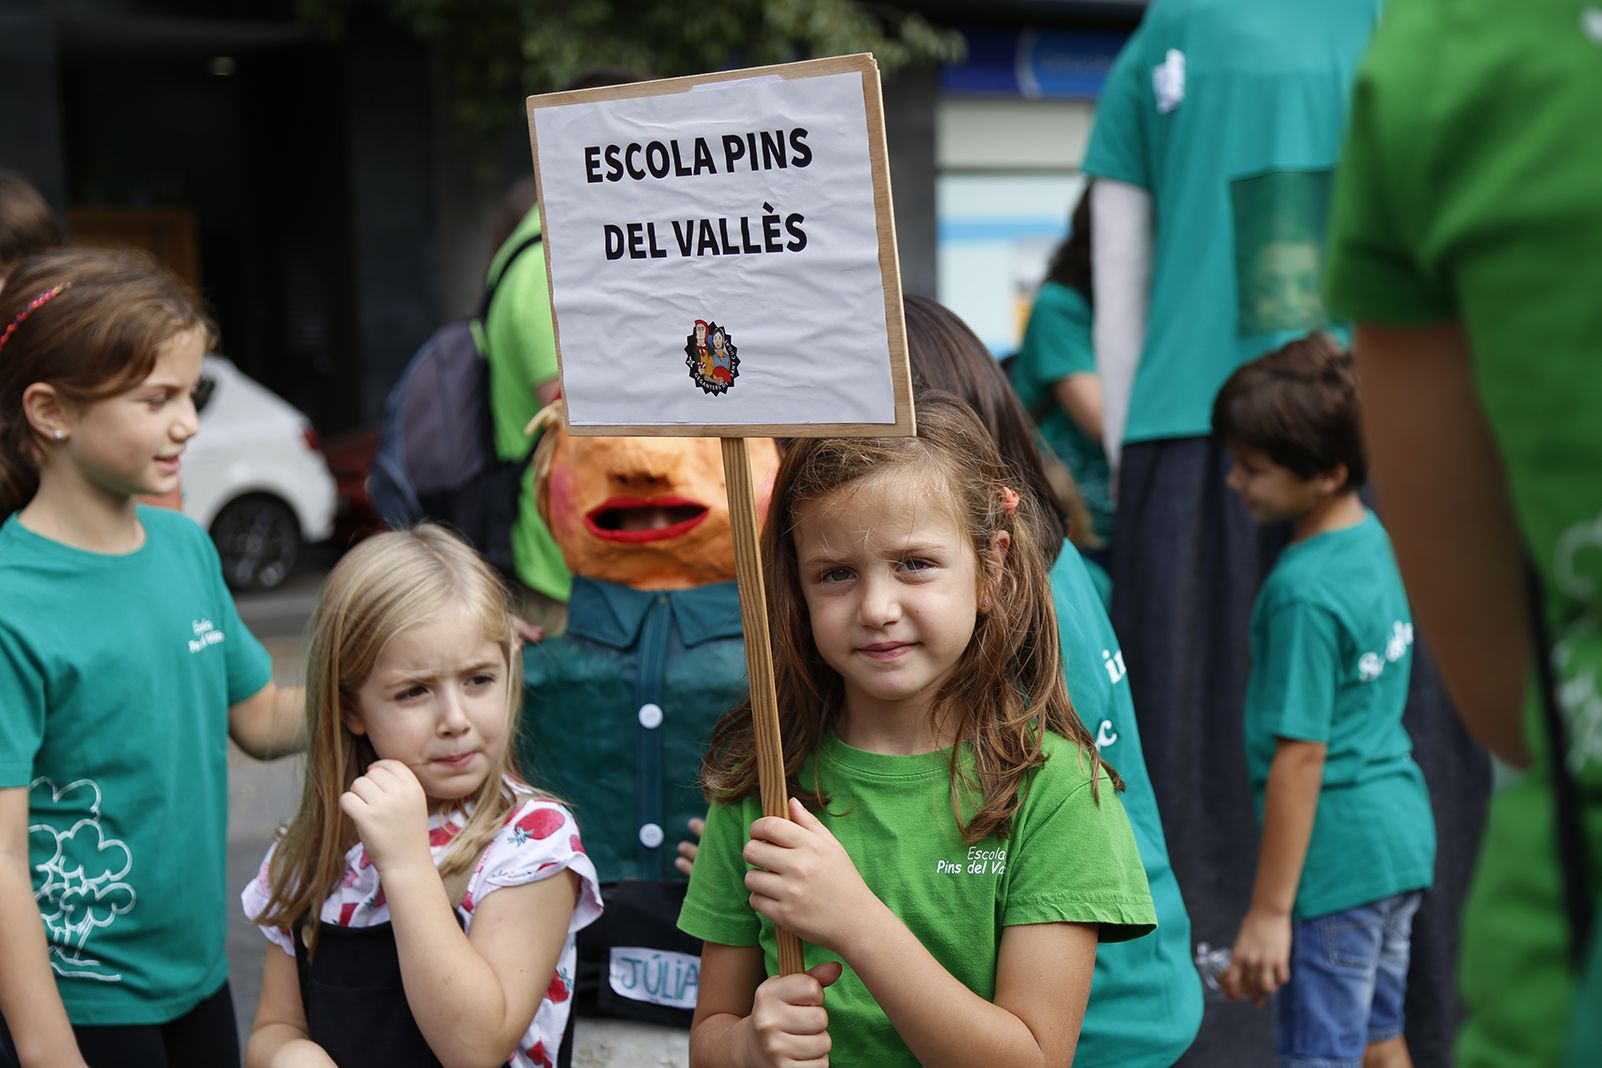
<point x="355" y="1002"/>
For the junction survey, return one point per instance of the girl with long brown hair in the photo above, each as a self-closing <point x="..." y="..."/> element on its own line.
<point x="1146" y="1001"/>
<point x="124" y="672"/>
<point x="957" y="846"/>
<point x="423" y="901"/>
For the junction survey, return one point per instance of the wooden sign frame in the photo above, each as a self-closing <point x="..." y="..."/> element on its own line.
<point x="889" y="263"/>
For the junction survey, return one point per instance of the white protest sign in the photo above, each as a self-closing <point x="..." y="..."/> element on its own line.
<point x="721" y="254"/>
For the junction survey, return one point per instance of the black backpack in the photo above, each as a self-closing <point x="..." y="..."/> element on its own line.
<point x="436" y="450"/>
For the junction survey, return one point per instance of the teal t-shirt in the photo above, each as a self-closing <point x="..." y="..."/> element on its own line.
<point x="1146" y="998"/>
<point x="1332" y="649"/>
<point x="1585" y="1034"/>
<point x="1469" y="192"/>
<point x="1068" y="859"/>
<point x="1056" y="344"/>
<point x="521" y="349"/>
<point x="1230" y="113"/>
<point x="116" y="675"/>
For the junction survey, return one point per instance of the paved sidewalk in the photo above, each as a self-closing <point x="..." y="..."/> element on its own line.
<point x="261" y="796"/>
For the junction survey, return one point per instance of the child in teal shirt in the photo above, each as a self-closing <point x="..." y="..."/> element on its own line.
<point x="1348" y="840"/>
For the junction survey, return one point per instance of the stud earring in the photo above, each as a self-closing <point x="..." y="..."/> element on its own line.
<point x="61" y="435"/>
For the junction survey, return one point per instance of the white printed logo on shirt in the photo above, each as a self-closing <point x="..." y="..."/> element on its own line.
<point x="206" y="635"/>
<point x="1371" y="666"/>
<point x="977" y="861"/>
<point x="1113" y="662"/>
<point x="1168" y="81"/>
<point x="1591" y="23"/>
<point x="1105" y="735"/>
<point x="1577" y="571"/>
<point x="82" y="889"/>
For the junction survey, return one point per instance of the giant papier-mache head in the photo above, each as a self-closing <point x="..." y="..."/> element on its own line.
<point x="651" y="513"/>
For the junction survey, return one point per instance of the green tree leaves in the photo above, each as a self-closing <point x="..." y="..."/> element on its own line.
<point x="496" y="52"/>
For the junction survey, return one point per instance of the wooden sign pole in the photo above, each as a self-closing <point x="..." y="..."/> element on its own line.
<point x="758" y="658"/>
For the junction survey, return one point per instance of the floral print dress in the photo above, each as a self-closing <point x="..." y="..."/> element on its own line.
<point x="539" y="839"/>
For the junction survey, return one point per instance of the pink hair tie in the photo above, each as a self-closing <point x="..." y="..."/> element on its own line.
<point x="1009" y="500"/>
<point x="33" y="305"/>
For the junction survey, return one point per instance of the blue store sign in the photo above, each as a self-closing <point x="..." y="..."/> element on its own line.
<point x="1034" y="64"/>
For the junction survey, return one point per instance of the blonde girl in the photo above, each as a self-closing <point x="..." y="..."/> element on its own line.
<point x="957" y="847"/>
<point x="422" y="904"/>
<point x="124" y="671"/>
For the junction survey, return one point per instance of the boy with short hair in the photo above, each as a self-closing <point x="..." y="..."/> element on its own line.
<point x="1348" y="839"/>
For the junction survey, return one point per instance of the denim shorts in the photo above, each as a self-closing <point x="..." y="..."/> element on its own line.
<point x="1348" y="979"/>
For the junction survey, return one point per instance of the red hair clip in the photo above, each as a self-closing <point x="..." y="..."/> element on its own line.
<point x="1009" y="500"/>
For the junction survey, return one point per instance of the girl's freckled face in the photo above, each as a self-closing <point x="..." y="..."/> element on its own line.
<point x="891" y="584"/>
<point x="437" y="702"/>
<point x="131" y="442"/>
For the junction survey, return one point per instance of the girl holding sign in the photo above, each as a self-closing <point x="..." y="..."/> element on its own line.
<point x="957" y="846"/>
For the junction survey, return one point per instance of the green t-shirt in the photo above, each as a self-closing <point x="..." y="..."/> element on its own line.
<point x="1068" y="859"/>
<point x="1057" y="344"/>
<point x="520" y="345"/>
<point x="1229" y="112"/>
<point x="1469" y="192"/>
<point x="116" y="674"/>
<point x="1332" y="644"/>
<point x="1146" y="999"/>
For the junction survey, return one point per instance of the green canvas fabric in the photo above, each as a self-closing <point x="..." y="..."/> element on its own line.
<point x="116" y="675"/>
<point x="1067" y="859"/>
<point x="583" y="738"/>
<point x="1332" y="648"/>
<point x="1146" y="998"/>
<point x="1469" y="192"/>
<point x="1230" y="113"/>
<point x="520" y="344"/>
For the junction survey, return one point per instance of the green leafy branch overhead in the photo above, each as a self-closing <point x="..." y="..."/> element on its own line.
<point x="496" y="52"/>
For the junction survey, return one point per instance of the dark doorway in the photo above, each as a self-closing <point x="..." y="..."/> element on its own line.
<point x="221" y="146"/>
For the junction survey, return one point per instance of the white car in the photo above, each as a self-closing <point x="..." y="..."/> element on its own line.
<point x="255" y="478"/>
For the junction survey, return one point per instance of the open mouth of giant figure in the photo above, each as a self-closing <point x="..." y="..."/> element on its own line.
<point x="636" y="519"/>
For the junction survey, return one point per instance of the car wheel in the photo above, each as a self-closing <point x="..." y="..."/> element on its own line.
<point x="258" y="539"/>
